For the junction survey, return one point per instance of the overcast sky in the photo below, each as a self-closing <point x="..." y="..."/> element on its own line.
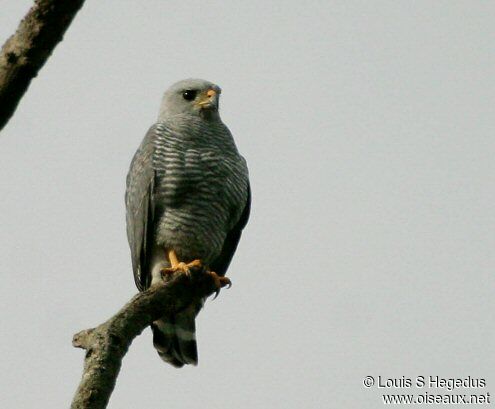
<point x="368" y="128"/>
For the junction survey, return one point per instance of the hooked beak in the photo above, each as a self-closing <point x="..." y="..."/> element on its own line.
<point x="209" y="100"/>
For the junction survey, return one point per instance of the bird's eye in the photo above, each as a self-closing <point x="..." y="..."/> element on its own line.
<point x="189" y="94"/>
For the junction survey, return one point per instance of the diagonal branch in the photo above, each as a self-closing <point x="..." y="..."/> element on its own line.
<point x="24" y="53"/>
<point x="107" y="344"/>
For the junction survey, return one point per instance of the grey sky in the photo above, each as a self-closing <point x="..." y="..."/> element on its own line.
<point x="369" y="132"/>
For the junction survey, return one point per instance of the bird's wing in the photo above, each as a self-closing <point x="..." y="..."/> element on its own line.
<point x="221" y="263"/>
<point x="140" y="208"/>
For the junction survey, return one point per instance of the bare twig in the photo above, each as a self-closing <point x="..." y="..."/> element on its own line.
<point x="24" y="53"/>
<point x="107" y="344"/>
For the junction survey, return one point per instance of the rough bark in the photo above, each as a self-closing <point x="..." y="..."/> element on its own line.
<point x="25" y="52"/>
<point x="107" y="344"/>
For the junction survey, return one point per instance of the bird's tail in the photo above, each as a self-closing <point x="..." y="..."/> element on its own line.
<point x="174" y="337"/>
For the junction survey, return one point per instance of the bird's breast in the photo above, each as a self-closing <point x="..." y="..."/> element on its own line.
<point x="200" y="194"/>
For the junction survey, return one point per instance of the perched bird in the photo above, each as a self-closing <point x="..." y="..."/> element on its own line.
<point x="187" y="200"/>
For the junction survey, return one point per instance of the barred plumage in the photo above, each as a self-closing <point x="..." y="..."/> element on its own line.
<point x="187" y="190"/>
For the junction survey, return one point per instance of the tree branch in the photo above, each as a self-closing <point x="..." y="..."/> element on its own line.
<point x="24" y="53"/>
<point x="107" y="344"/>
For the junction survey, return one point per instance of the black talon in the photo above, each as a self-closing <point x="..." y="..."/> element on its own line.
<point x="217" y="291"/>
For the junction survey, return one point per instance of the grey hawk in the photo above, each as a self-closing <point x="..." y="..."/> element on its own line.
<point x="187" y="200"/>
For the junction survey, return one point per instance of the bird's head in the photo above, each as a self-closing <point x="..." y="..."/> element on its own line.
<point x="191" y="97"/>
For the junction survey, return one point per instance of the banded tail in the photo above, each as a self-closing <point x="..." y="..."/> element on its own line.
<point x="174" y="337"/>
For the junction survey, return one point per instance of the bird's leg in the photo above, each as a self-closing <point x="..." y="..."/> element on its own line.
<point x="220" y="282"/>
<point x="178" y="266"/>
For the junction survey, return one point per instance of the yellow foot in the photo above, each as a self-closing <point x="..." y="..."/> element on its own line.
<point x="181" y="267"/>
<point x="220" y="282"/>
